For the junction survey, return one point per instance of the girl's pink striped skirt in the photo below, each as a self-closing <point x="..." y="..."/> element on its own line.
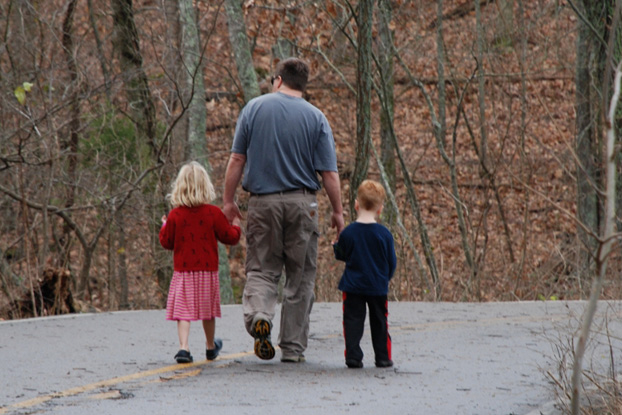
<point x="193" y="295"/>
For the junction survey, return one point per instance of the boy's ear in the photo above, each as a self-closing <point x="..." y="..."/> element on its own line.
<point x="356" y="205"/>
<point x="380" y="210"/>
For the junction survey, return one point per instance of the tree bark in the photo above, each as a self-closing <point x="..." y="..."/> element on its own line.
<point x="122" y="276"/>
<point x="194" y="90"/>
<point x="194" y="99"/>
<point x="605" y="242"/>
<point x="487" y="170"/>
<point x="70" y="144"/>
<point x="588" y="75"/>
<point x="385" y="68"/>
<point x="250" y="89"/>
<point x="127" y="45"/>
<point x="506" y="20"/>
<point x="363" y="97"/>
<point x="100" y="49"/>
<point x="241" y="49"/>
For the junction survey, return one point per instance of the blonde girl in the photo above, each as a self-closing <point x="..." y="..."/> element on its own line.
<point x="191" y="230"/>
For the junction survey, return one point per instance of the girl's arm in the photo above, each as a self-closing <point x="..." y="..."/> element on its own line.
<point x="225" y="232"/>
<point x="167" y="233"/>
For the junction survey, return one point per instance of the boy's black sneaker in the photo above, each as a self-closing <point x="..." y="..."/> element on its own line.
<point x="263" y="346"/>
<point x="384" y="363"/>
<point x="354" y="364"/>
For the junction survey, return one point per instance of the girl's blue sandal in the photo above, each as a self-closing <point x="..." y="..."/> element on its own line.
<point x="183" y="356"/>
<point x="212" y="354"/>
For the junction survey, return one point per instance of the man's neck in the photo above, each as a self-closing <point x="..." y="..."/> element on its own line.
<point x="288" y="91"/>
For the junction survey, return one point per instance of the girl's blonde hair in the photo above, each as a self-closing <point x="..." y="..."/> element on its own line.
<point x="192" y="187"/>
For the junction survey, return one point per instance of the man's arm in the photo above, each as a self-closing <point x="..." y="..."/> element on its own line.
<point x="333" y="189"/>
<point x="235" y="168"/>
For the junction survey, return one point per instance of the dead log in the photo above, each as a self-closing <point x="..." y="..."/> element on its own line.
<point x="52" y="296"/>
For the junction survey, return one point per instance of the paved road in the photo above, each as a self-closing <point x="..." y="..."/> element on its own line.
<point x="480" y="359"/>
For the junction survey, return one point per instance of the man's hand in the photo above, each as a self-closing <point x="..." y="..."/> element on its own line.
<point x="235" y="167"/>
<point x="232" y="211"/>
<point x="333" y="190"/>
<point x="337" y="222"/>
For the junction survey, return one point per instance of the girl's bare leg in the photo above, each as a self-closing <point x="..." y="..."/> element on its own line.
<point x="183" y="331"/>
<point x="209" y="326"/>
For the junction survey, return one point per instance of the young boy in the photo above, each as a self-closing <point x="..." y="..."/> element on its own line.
<point x="368" y="251"/>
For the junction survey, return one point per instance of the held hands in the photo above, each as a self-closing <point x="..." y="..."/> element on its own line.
<point x="163" y="219"/>
<point x="236" y="221"/>
<point x="337" y="222"/>
<point x="232" y="212"/>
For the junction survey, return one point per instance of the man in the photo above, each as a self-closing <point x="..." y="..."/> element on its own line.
<point x="281" y="142"/>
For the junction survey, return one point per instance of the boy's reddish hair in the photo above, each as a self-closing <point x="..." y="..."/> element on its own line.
<point x="370" y="195"/>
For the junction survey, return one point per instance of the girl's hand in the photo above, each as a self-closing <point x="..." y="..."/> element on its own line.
<point x="236" y="221"/>
<point x="163" y="219"/>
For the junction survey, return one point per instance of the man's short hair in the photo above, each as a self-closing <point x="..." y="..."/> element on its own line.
<point x="294" y="72"/>
<point x="370" y="195"/>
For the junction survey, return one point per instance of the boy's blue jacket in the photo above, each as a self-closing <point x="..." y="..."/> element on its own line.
<point x="369" y="253"/>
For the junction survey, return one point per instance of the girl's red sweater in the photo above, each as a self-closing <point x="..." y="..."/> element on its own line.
<point x="192" y="233"/>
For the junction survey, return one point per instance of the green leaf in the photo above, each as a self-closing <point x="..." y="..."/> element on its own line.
<point x="20" y="94"/>
<point x="27" y="86"/>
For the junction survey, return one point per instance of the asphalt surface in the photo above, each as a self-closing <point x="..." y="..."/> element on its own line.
<point x="450" y="358"/>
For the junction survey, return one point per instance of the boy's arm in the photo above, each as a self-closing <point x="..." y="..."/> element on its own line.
<point x="339" y="254"/>
<point x="392" y="258"/>
<point x="340" y="248"/>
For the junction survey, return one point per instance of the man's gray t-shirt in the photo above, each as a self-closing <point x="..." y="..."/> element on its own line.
<point x="286" y="140"/>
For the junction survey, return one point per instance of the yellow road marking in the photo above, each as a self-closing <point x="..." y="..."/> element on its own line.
<point x="114" y="381"/>
<point x="177" y="376"/>
<point x="107" y="395"/>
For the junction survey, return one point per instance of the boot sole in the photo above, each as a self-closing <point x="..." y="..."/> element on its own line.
<point x="263" y="346"/>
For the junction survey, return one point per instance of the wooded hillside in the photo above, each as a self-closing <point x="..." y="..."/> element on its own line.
<point x="481" y="96"/>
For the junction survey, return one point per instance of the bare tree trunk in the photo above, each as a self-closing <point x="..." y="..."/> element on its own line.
<point x="385" y="68"/>
<point x="194" y="99"/>
<point x="487" y="171"/>
<point x="194" y="90"/>
<point x="506" y="20"/>
<point x="605" y="243"/>
<point x="100" y="48"/>
<point x="586" y="170"/>
<point x="241" y="49"/>
<point x="177" y="74"/>
<point x="526" y="169"/>
<point x="140" y="108"/>
<point x="588" y="130"/>
<point x="250" y="89"/>
<point x="70" y="144"/>
<point x="127" y="45"/>
<point x="363" y="97"/>
<point x="481" y="85"/>
<point x="121" y="262"/>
